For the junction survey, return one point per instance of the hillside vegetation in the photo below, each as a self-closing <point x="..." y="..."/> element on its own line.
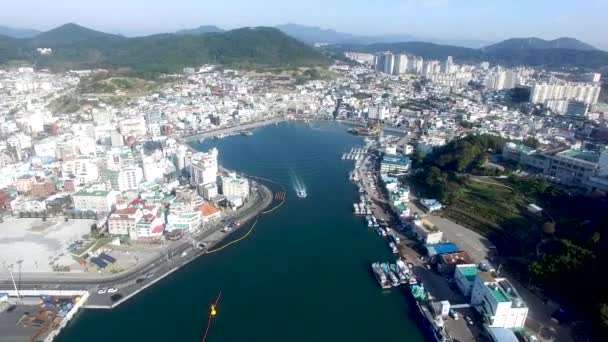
<point x="557" y="250"/>
<point x="76" y="47"/>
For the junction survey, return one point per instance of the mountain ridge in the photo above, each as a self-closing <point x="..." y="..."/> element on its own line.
<point x="534" y="43"/>
<point x="18" y="33"/>
<point x="75" y="46"/>
<point x="203" y="29"/>
<point x="68" y="34"/>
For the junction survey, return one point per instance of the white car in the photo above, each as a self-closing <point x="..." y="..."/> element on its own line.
<point x="112" y="290"/>
<point x="102" y="290"/>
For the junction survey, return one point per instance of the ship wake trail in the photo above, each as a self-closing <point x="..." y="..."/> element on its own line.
<point x="298" y="186"/>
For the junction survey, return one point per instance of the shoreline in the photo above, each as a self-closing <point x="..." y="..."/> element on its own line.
<point x="252" y="125"/>
<point x="160" y="265"/>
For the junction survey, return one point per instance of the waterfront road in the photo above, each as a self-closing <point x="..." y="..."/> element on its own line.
<point x="168" y="260"/>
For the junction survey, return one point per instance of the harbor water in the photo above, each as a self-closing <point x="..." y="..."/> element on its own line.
<point x="302" y="275"/>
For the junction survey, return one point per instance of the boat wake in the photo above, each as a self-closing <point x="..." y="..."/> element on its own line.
<point x="298" y="186"/>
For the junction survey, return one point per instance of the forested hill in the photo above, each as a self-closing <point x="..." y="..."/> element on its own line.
<point x="76" y="47"/>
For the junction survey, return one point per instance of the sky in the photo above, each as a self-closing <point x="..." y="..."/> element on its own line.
<point x="490" y="20"/>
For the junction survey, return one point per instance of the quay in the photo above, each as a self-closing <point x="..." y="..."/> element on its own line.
<point x="28" y="300"/>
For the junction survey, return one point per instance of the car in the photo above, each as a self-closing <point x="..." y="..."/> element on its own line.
<point x="116" y="297"/>
<point x="102" y="290"/>
<point x="184" y="253"/>
<point x="112" y="290"/>
<point x="454" y="314"/>
<point x="149" y="275"/>
<point x="468" y="319"/>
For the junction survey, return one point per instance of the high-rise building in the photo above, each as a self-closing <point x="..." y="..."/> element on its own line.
<point x="385" y="62"/>
<point x="203" y="167"/>
<point x="583" y="92"/>
<point x="447" y="66"/>
<point x="400" y="66"/>
<point x="577" y="108"/>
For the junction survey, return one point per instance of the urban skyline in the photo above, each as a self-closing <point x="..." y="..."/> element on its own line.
<point x="445" y="19"/>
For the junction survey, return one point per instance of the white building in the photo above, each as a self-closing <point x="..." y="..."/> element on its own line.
<point x="94" y="200"/>
<point x="185" y="221"/>
<point x="122" y="221"/>
<point x="151" y="225"/>
<point x="84" y="170"/>
<point x="400" y="64"/>
<point x="583" y="92"/>
<point x="126" y="179"/>
<point x="210" y="191"/>
<point x="464" y="277"/>
<point x="498" y="301"/>
<point x="235" y="186"/>
<point x="426" y="232"/>
<point x="204" y="168"/>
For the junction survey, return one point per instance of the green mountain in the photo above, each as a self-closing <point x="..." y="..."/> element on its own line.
<point x="534" y="43"/>
<point x="77" y="47"/>
<point x="201" y="30"/>
<point x="17" y="32"/>
<point x="68" y="35"/>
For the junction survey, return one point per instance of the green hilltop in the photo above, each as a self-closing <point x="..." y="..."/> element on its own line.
<point x="76" y="47"/>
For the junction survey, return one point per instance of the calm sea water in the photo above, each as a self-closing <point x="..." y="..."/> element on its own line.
<point x="302" y="275"/>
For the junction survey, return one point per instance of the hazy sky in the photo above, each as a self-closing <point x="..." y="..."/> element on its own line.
<point x="467" y="19"/>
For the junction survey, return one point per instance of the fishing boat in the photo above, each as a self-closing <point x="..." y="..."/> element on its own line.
<point x="301" y="193"/>
<point x="395" y="269"/>
<point x="380" y="276"/>
<point x="394" y="248"/>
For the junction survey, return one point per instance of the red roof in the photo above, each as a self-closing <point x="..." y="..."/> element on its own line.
<point x="137" y="202"/>
<point x="208" y="209"/>
<point x="158" y="229"/>
<point x="126" y="211"/>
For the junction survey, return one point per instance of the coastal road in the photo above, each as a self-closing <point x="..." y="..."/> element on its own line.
<point x="478" y="247"/>
<point x="167" y="260"/>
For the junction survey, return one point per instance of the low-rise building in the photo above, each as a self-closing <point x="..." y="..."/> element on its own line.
<point x="392" y="163"/>
<point x="235" y="186"/>
<point x="209" y="212"/>
<point x="497" y="300"/>
<point x="151" y="225"/>
<point x="185" y="221"/>
<point x="426" y="232"/>
<point x="123" y="220"/>
<point x="94" y="200"/>
<point x="464" y="277"/>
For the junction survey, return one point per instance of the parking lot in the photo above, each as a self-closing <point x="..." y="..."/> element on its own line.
<point x="40" y="245"/>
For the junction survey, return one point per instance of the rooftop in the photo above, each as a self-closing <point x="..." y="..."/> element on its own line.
<point x="587" y="156"/>
<point x="498" y="293"/>
<point x="441" y="248"/>
<point x="95" y="193"/>
<point x="469" y="272"/>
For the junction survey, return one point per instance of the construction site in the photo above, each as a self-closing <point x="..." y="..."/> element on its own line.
<point x="37" y="315"/>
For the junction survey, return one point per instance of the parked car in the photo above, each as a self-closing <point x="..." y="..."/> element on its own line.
<point x="102" y="290"/>
<point x="116" y="297"/>
<point x="468" y="319"/>
<point x="454" y="314"/>
<point x="112" y="290"/>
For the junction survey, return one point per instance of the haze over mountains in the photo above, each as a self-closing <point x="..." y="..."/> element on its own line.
<point x="17" y="32"/>
<point x="75" y="46"/>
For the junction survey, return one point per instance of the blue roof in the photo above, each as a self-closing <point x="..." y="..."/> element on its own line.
<point x="442" y="248"/>
<point x="396" y="160"/>
<point x="503" y="335"/>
